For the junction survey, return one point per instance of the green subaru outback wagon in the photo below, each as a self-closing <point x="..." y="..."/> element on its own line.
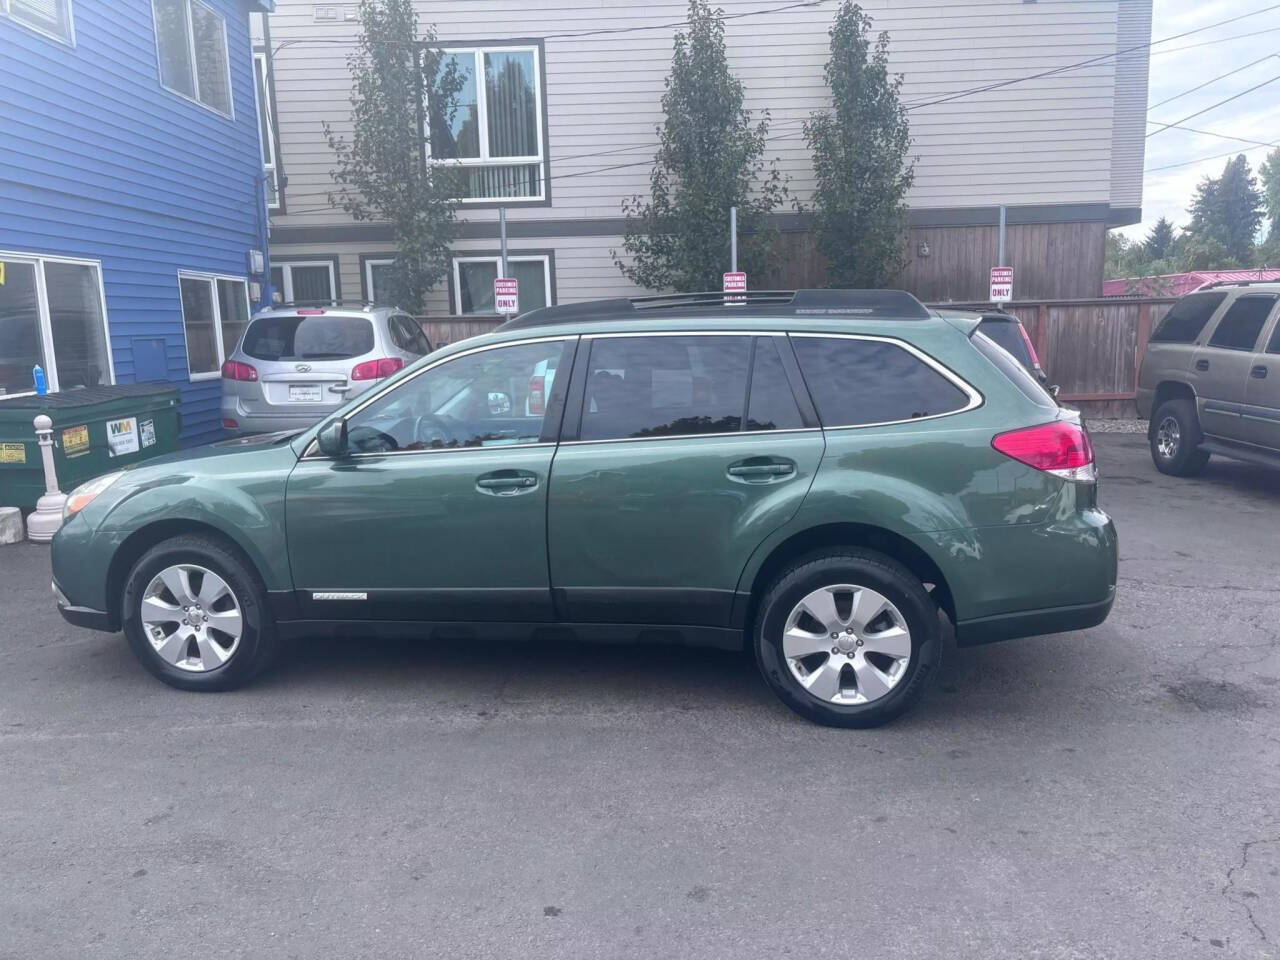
<point x="834" y="478"/>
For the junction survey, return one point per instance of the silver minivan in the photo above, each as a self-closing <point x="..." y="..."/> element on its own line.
<point x="295" y="365"/>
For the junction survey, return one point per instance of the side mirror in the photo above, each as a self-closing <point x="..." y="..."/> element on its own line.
<point x="332" y="439"/>
<point x="1053" y="391"/>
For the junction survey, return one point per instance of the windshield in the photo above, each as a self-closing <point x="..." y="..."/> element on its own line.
<point x="308" y="338"/>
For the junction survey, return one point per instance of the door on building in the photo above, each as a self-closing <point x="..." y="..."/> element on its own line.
<point x="1262" y="396"/>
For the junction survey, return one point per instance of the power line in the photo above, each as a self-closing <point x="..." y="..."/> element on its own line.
<point x="1201" y="86"/>
<point x="1213" y="133"/>
<point x="1213" y="106"/>
<point x="1216" y="156"/>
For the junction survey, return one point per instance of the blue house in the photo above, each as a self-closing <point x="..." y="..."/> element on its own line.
<point x="132" y="207"/>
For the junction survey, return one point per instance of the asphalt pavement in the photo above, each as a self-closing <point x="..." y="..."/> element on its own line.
<point x="1109" y="793"/>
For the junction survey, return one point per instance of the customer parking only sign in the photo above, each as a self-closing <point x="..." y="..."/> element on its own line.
<point x="1001" y="284"/>
<point x="506" y="295"/>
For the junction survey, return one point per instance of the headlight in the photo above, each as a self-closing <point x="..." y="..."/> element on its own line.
<point x="83" y="495"/>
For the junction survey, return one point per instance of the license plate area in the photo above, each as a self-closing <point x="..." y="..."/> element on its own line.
<point x="305" y="393"/>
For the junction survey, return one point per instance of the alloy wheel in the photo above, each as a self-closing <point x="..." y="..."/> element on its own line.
<point x="191" y="617"/>
<point x="1168" y="438"/>
<point x="846" y="644"/>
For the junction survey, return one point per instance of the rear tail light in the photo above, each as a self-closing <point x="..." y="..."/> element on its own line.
<point x="537" y="395"/>
<point x="310" y="312"/>
<point x="376" y="369"/>
<point x="229" y="424"/>
<point x="1061" y="448"/>
<point x="235" y="370"/>
<point x="1035" y="361"/>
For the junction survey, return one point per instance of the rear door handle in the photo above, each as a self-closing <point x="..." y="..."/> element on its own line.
<point x="1202" y="364"/>
<point x="1259" y="372"/>
<point x="506" y="483"/>
<point x="761" y="469"/>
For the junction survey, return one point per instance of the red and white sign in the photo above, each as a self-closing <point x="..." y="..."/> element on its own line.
<point x="735" y="282"/>
<point x="506" y="294"/>
<point x="1001" y="284"/>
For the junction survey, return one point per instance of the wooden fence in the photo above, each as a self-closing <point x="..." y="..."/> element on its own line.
<point x="1092" y="349"/>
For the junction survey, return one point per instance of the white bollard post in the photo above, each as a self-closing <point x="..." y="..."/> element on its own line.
<point x="44" y="523"/>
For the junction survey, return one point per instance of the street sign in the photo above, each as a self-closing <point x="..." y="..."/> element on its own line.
<point x="1001" y="284"/>
<point x="735" y="282"/>
<point x="506" y="294"/>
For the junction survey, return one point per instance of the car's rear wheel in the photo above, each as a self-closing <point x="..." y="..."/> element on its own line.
<point x="848" y="638"/>
<point x="1175" y="438"/>
<point x="195" y="615"/>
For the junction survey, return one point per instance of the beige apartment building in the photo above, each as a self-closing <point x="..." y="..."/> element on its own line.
<point x="1037" y="107"/>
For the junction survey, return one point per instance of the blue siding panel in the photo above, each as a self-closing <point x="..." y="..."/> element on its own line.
<point x="98" y="160"/>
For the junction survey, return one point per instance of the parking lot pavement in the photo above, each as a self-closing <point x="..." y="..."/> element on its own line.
<point x="1113" y="793"/>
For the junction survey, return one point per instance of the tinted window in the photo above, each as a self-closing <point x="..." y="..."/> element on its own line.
<point x="664" y="386"/>
<point x="1274" y="345"/>
<point x="773" y="405"/>
<point x="855" y="382"/>
<point x="308" y="338"/>
<point x="1007" y="335"/>
<point x="407" y="335"/>
<point x="1011" y="368"/>
<point x="479" y="400"/>
<point x="1240" y="325"/>
<point x="1186" y="318"/>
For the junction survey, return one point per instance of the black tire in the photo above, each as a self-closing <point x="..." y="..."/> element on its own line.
<point x="861" y="568"/>
<point x="1185" y="459"/>
<point x="258" y="643"/>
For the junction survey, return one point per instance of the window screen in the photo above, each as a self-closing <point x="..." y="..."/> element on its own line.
<point x="198" y="315"/>
<point x="48" y="16"/>
<point x="1240" y="325"/>
<point x="773" y="405"/>
<point x="75" y="321"/>
<point x="664" y="386"/>
<point x="233" y="309"/>
<point x="21" y="347"/>
<point x="857" y="382"/>
<point x="1186" y="318"/>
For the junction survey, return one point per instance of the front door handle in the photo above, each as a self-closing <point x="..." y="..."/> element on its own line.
<point x="507" y="483"/>
<point x="1259" y="372"/>
<point x="1202" y="365"/>
<point x="761" y="469"/>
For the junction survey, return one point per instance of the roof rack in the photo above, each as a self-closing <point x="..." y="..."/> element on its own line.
<point x="322" y="304"/>
<point x="878" y="304"/>
<point x="1237" y="283"/>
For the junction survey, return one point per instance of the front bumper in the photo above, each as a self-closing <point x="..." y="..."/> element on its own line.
<point x="85" y="617"/>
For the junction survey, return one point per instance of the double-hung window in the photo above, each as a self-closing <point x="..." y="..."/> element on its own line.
<point x="494" y="134"/>
<point x="473" y="282"/>
<point x="50" y="17"/>
<point x="266" y="128"/>
<point x="191" y="46"/>
<point x="215" y="311"/>
<point x="52" y="314"/>
<point x="303" y="281"/>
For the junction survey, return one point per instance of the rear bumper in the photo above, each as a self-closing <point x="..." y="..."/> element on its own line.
<point x="268" y="423"/>
<point x="1032" y="623"/>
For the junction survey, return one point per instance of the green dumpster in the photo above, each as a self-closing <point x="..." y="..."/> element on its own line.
<point x="95" y="430"/>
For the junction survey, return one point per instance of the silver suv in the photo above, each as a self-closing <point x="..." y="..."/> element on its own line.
<point x="1210" y="378"/>
<point x="297" y="364"/>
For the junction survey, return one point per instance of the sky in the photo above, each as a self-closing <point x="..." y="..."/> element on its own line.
<point x="1254" y="116"/>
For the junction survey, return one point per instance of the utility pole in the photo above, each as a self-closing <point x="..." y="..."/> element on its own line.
<point x="502" y="230"/>
<point x="733" y="239"/>
<point x="1000" y="259"/>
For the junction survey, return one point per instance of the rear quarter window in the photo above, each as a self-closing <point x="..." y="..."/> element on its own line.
<point x="1186" y="318"/>
<point x="1007" y="335"/>
<point x="1014" y="371"/>
<point x="308" y="338"/>
<point x="857" y="382"/>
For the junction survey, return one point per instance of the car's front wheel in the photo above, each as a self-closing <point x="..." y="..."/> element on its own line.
<point x="195" y="615"/>
<point x="848" y="638"/>
<point x="1175" y="437"/>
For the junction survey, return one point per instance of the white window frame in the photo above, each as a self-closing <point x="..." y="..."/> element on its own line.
<point x="545" y="259"/>
<point x="482" y="106"/>
<point x="191" y="51"/>
<point x="369" y="264"/>
<point x="269" y="148"/>
<point x="38" y="260"/>
<point x="6" y="9"/>
<point x="286" y="288"/>
<point x="211" y="279"/>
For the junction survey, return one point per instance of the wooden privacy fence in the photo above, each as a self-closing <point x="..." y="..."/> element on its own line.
<point x="1092" y="349"/>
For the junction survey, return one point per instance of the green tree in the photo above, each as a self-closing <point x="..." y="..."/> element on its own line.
<point x="861" y="169"/>
<point x="1269" y="171"/>
<point x="1228" y="210"/>
<point x="380" y="173"/>
<point x="1160" y="240"/>
<point x="710" y="158"/>
<point x="1196" y="251"/>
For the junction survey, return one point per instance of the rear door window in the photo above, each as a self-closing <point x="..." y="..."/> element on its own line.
<point x="856" y="382"/>
<point x="1240" y="325"/>
<point x="664" y="386"/>
<point x="1186" y="318"/>
<point x="308" y="338"/>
